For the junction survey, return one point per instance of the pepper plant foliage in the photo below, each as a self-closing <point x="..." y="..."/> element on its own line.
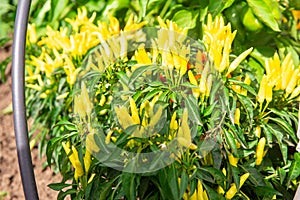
<point x="214" y="88"/>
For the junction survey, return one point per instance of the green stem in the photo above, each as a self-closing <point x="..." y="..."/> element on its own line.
<point x="165" y="8"/>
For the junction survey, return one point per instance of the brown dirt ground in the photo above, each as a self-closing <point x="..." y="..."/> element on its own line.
<point x="10" y="180"/>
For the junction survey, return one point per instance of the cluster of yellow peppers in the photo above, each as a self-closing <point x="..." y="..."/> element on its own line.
<point x="72" y="154"/>
<point x="199" y="194"/>
<point x="218" y="39"/>
<point x="60" y="49"/>
<point x="279" y="76"/>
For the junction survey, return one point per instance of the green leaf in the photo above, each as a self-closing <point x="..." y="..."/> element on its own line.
<point x="248" y="106"/>
<point x="279" y="136"/>
<point x="193" y="112"/>
<point x="106" y="188"/>
<point x="185" y="19"/>
<point x="216" y="7"/>
<point x="4" y="41"/>
<point x="143" y="8"/>
<point x="139" y="72"/>
<point x="172" y="181"/>
<point x="264" y="13"/>
<point x="42" y="13"/>
<point x="184" y="180"/>
<point x="217" y="174"/>
<point x="66" y="124"/>
<point x="255" y="177"/>
<point x="267" y="132"/>
<point x="212" y="193"/>
<point x="151" y="94"/>
<point x="282" y="174"/>
<point x="3" y="66"/>
<point x="209" y="110"/>
<point x="236" y="178"/>
<point x="51" y="146"/>
<point x="239" y="135"/>
<point x="59" y="186"/>
<point x="285" y="126"/>
<point x="265" y="190"/>
<point x="230" y="141"/>
<point x="247" y="87"/>
<point x="62" y="195"/>
<point x="123" y="78"/>
<point x="294" y="170"/>
<point x="57" y="7"/>
<point x="129" y="185"/>
<point x="282" y="114"/>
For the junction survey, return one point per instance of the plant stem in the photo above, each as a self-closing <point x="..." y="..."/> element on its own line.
<point x="165" y="8"/>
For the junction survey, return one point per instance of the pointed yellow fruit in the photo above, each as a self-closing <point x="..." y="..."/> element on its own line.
<point x="260" y="150"/>
<point x="269" y="92"/>
<point x="173" y="123"/>
<point x="233" y="160"/>
<point x="237" y="114"/>
<point x="134" y="112"/>
<point x="261" y="92"/>
<point x="87" y="161"/>
<point x="238" y="60"/>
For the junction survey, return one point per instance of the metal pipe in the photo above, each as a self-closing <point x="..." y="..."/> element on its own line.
<point x="18" y="100"/>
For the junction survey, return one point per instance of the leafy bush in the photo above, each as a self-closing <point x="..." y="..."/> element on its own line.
<point x="203" y="106"/>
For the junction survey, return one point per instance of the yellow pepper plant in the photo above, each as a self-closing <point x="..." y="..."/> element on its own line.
<point x="169" y="100"/>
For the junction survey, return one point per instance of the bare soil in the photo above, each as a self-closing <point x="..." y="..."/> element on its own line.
<point x="10" y="179"/>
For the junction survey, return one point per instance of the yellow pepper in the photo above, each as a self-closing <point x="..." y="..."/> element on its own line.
<point x="134" y="112"/>
<point x="295" y="93"/>
<point x="233" y="160"/>
<point x="261" y="92"/>
<point x="246" y="81"/>
<point x="233" y="190"/>
<point x="108" y="136"/>
<point x="269" y="92"/>
<point x="237" y="114"/>
<point x="199" y="191"/>
<point x="87" y="161"/>
<point x="196" y="91"/>
<point x="74" y="159"/>
<point x="257" y="131"/>
<point x="173" y="123"/>
<point x="220" y="190"/>
<point x="238" y="60"/>
<point x="292" y="83"/>
<point x="102" y="100"/>
<point x="260" y="150"/>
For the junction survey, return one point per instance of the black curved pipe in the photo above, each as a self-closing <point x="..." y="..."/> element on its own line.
<point x="18" y="100"/>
